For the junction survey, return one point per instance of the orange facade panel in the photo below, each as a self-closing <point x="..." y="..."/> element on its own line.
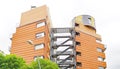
<point x="103" y="64"/>
<point x="100" y="45"/>
<point x="101" y="54"/>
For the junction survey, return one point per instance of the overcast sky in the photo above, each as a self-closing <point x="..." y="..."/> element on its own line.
<point x="105" y="12"/>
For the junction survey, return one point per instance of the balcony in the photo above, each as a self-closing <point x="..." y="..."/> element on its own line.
<point x="101" y="54"/>
<point x="103" y="64"/>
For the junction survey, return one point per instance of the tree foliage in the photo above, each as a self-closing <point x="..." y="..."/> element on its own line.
<point x="44" y="64"/>
<point x="11" y="62"/>
<point x="15" y="62"/>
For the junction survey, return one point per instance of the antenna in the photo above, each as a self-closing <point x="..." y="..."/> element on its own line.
<point x="32" y="7"/>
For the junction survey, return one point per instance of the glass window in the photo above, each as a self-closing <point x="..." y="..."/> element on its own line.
<point x="78" y="43"/>
<point x="39" y="35"/>
<point x="40" y="24"/>
<point x="39" y="46"/>
<point x="99" y="50"/>
<point x="76" y="24"/>
<point x="100" y="67"/>
<point x="100" y="59"/>
<point x="89" y="19"/>
<point x="78" y="53"/>
<point x="77" y="33"/>
<point x="42" y="57"/>
<point x="79" y="64"/>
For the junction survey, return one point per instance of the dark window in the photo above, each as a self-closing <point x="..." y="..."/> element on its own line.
<point x="77" y="33"/>
<point x="76" y="24"/>
<point x="89" y="18"/>
<point x="78" y="53"/>
<point x="79" y="64"/>
<point x="77" y="43"/>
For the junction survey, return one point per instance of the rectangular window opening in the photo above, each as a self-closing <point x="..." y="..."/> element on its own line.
<point x="76" y="24"/>
<point x="99" y="50"/>
<point x="77" y="33"/>
<point x="40" y="24"/>
<point x="79" y="64"/>
<point x="39" y="35"/>
<point x="100" y="59"/>
<point x="39" y="46"/>
<point x="78" y="53"/>
<point x="78" y="43"/>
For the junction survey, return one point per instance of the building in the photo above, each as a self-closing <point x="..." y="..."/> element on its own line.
<point x="77" y="47"/>
<point x="88" y="44"/>
<point x="31" y="37"/>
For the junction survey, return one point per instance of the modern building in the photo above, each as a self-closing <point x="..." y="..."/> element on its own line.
<point x="77" y="47"/>
<point x="88" y="44"/>
<point x="31" y="39"/>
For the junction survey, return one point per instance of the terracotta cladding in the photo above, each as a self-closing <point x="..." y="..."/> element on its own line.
<point x="89" y="53"/>
<point x="21" y="47"/>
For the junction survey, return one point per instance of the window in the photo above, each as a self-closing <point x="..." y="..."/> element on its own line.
<point x="39" y="46"/>
<point x="78" y="53"/>
<point x="98" y="41"/>
<point x="99" y="50"/>
<point x="42" y="57"/>
<point x="39" y="35"/>
<point x="77" y="33"/>
<point x="100" y="67"/>
<point x="89" y="19"/>
<point x="40" y="24"/>
<point x="100" y="59"/>
<point x="78" y="43"/>
<point x="79" y="64"/>
<point x="76" y="24"/>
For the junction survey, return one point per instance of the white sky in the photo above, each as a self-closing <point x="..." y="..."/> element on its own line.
<point x="105" y="12"/>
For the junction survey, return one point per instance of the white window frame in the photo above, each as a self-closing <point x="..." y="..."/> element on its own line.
<point x="100" y="59"/>
<point x="40" y="24"/>
<point x="39" y="35"/>
<point x="39" y="46"/>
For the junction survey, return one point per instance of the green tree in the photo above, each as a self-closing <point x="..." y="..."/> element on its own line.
<point x="2" y="59"/>
<point x="44" y="64"/>
<point x="26" y="66"/>
<point x="15" y="62"/>
<point x="11" y="62"/>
